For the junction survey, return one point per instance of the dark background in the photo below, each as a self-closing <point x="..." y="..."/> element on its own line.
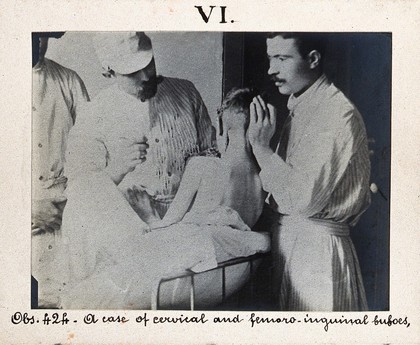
<point x="360" y="65"/>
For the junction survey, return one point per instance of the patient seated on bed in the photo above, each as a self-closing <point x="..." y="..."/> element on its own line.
<point x="216" y="188"/>
<point x="114" y="264"/>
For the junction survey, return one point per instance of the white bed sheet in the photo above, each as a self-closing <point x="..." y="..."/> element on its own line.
<point x="113" y="265"/>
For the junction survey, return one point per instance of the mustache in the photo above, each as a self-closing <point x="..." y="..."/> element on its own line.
<point x="275" y="79"/>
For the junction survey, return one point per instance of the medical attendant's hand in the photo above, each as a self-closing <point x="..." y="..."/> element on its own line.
<point x="140" y="200"/>
<point x="261" y="128"/>
<point x="47" y="214"/>
<point x="262" y="122"/>
<point x="124" y="157"/>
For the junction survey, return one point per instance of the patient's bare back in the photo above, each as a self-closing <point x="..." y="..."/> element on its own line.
<point x="232" y="183"/>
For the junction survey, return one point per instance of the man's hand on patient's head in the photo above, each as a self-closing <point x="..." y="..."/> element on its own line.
<point x="262" y="126"/>
<point x="262" y="123"/>
<point x="47" y="214"/>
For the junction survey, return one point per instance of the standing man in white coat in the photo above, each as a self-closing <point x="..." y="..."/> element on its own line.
<point x="318" y="179"/>
<point x="136" y="134"/>
<point x="58" y="94"/>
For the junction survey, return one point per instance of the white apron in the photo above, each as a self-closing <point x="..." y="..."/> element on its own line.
<point x="316" y="266"/>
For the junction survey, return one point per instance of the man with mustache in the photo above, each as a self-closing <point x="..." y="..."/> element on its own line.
<point x="136" y="134"/>
<point x="318" y="179"/>
<point x="141" y="111"/>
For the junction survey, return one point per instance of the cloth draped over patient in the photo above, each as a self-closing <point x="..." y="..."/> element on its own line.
<point x="113" y="263"/>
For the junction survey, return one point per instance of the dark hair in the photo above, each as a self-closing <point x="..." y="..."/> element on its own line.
<point x="305" y="42"/>
<point x="238" y="99"/>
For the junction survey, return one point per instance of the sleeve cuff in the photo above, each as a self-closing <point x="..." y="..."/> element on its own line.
<point x="273" y="171"/>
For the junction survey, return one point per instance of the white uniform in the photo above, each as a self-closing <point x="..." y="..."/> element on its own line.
<point x="58" y="94"/>
<point x="320" y="186"/>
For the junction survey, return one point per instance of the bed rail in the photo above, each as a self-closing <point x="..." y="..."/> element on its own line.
<point x="155" y="302"/>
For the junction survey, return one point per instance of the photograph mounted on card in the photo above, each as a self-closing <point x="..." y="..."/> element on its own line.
<point x="217" y="171"/>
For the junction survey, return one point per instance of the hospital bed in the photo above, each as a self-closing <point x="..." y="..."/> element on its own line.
<point x="236" y="284"/>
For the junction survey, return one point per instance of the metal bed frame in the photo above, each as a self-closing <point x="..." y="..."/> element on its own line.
<point x="155" y="302"/>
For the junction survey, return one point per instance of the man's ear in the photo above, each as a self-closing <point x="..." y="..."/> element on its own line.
<point x="314" y="59"/>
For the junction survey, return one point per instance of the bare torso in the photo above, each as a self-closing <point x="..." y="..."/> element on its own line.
<point x="232" y="183"/>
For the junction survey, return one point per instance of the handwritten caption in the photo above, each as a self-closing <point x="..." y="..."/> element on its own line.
<point x="253" y="320"/>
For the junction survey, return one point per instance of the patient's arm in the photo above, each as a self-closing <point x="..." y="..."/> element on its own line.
<point x="187" y="190"/>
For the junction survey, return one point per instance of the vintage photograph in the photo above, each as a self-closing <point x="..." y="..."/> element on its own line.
<point x="211" y="170"/>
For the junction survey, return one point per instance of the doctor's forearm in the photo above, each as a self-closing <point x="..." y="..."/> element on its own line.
<point x="262" y="154"/>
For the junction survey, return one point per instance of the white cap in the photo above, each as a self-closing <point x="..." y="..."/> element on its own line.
<point x="123" y="52"/>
